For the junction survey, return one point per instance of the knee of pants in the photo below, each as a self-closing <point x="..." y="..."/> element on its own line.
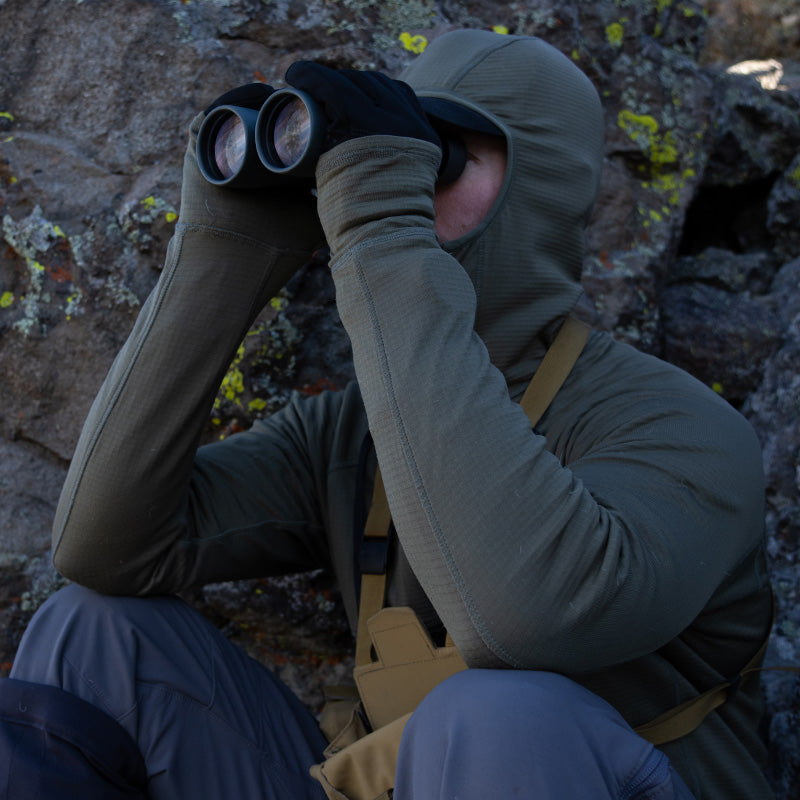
<point x="510" y="729"/>
<point x="76" y="619"/>
<point x="542" y="712"/>
<point x="507" y="698"/>
<point x="95" y="645"/>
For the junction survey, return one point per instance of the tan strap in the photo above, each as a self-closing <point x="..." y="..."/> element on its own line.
<point x="556" y="365"/>
<point x="684" y="718"/>
<point x="373" y="586"/>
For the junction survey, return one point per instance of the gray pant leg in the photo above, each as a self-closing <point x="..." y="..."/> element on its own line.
<point x="209" y="721"/>
<point x="509" y="733"/>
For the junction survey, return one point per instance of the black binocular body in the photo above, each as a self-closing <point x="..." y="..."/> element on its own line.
<point x="280" y="143"/>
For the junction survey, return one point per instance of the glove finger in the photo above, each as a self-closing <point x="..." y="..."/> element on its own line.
<point x="251" y="95"/>
<point x="397" y="103"/>
<point x="383" y="91"/>
<point x="326" y="85"/>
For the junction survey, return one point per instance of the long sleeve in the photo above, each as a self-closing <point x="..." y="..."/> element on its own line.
<point x="590" y="542"/>
<point x="139" y="513"/>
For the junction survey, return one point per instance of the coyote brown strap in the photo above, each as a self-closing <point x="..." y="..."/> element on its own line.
<point x="373" y="584"/>
<point x="556" y="365"/>
<point x="684" y="718"/>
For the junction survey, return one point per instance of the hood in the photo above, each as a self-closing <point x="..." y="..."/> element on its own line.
<point x="525" y="258"/>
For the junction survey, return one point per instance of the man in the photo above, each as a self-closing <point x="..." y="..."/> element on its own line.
<point x="593" y="572"/>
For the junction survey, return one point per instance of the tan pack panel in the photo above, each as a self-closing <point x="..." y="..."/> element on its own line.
<point x="408" y="666"/>
<point x="365" y="769"/>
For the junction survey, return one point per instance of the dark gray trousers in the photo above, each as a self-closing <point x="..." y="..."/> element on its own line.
<point x="211" y="722"/>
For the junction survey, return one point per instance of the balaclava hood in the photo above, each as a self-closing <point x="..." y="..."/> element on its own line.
<point x="525" y="258"/>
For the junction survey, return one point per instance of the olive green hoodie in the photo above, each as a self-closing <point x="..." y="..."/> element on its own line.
<point x="619" y="543"/>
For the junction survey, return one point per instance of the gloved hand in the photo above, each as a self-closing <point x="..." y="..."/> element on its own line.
<point x="361" y="103"/>
<point x="283" y="217"/>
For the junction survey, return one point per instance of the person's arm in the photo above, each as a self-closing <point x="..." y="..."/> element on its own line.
<point x="567" y="563"/>
<point x="134" y="504"/>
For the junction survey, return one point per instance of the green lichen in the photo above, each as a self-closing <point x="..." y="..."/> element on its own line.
<point x="615" y="33"/>
<point x="46" y="252"/>
<point x="414" y="44"/>
<point x="232" y="386"/>
<point x="256" y="381"/>
<point x="661" y="170"/>
<point x="137" y="219"/>
<point x="387" y="19"/>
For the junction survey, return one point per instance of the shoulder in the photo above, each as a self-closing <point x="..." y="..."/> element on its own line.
<point x="631" y="408"/>
<point x="629" y="388"/>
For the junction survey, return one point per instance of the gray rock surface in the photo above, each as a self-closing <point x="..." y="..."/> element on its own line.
<point x="693" y="251"/>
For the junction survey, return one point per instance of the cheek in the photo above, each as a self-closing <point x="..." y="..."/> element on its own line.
<point x="454" y="213"/>
<point x="461" y="206"/>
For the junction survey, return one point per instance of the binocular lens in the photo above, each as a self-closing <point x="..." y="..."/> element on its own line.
<point x="292" y="132"/>
<point x="230" y="146"/>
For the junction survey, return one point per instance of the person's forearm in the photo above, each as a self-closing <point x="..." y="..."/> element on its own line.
<point x="122" y="505"/>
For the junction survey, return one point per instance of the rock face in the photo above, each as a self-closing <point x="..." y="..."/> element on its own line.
<point x="693" y="253"/>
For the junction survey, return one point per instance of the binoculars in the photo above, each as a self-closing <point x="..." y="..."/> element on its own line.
<point x="243" y="147"/>
<point x="280" y="143"/>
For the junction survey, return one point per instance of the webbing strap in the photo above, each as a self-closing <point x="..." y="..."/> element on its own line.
<point x="684" y="718"/>
<point x="373" y="584"/>
<point x="547" y="380"/>
<point x="556" y="365"/>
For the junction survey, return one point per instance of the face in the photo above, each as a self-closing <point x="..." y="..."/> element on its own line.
<point x="461" y="206"/>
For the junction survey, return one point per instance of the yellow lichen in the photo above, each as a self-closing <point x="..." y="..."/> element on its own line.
<point x="661" y="151"/>
<point x="415" y="44"/>
<point x="233" y="383"/>
<point x="6" y="299"/>
<point x="500" y="29"/>
<point x="278" y="303"/>
<point x="614" y="34"/>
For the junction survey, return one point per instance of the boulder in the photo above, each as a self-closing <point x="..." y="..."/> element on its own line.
<point x="693" y="251"/>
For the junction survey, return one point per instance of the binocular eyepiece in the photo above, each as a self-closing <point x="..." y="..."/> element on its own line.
<point x="241" y="147"/>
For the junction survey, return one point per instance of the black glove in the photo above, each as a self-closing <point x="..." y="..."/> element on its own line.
<point x="358" y="103"/>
